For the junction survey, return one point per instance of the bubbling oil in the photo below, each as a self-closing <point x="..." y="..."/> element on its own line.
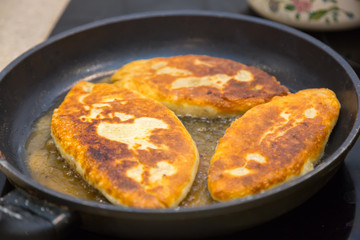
<point x="49" y="169"/>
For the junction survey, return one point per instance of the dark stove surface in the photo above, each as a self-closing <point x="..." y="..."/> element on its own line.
<point x="333" y="213"/>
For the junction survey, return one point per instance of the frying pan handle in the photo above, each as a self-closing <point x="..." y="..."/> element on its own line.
<point x="23" y="216"/>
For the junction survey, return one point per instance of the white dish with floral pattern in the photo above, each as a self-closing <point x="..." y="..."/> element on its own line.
<point x="311" y="14"/>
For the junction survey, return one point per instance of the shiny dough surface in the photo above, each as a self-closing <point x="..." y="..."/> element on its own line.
<point x="200" y="85"/>
<point x="272" y="143"/>
<point x="132" y="149"/>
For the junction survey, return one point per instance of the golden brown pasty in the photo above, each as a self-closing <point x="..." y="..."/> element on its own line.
<point x="272" y="143"/>
<point x="198" y="85"/>
<point x="132" y="149"/>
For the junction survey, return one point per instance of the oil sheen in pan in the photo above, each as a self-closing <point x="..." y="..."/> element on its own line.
<point x="49" y="169"/>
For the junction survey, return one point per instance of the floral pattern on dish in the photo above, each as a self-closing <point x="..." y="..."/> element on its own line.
<point x="302" y="9"/>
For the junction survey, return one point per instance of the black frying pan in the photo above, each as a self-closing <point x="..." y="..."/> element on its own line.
<point x="38" y="80"/>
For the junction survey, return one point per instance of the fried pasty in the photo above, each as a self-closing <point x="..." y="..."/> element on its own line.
<point x="135" y="151"/>
<point x="199" y="85"/>
<point x="272" y="143"/>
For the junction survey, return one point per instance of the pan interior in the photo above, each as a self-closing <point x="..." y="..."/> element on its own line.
<point x="38" y="81"/>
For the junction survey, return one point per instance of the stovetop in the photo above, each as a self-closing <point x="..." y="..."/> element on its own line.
<point x="334" y="212"/>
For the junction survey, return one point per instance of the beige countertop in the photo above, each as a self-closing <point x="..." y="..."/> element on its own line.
<point x="24" y="24"/>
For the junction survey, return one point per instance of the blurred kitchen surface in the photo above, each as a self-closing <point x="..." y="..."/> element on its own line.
<point x="25" y="23"/>
<point x="328" y="215"/>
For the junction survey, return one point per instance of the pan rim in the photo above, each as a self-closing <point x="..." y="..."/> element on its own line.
<point x="246" y="202"/>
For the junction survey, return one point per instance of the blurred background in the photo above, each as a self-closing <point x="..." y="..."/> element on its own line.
<point x="333" y="213"/>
